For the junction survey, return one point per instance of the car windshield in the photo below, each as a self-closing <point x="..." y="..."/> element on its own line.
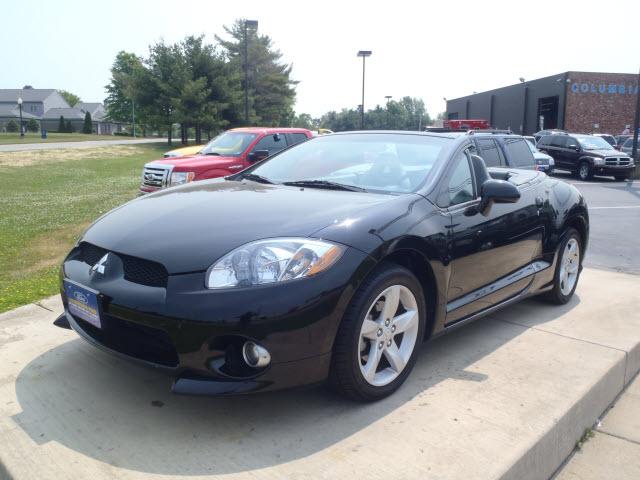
<point x="594" y="143"/>
<point x="229" y="143"/>
<point x="393" y="163"/>
<point x="531" y="146"/>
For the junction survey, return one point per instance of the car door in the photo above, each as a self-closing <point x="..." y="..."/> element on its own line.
<point x="484" y="249"/>
<point x="556" y="148"/>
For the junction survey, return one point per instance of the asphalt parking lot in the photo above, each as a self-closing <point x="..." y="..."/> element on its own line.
<point x="614" y="213"/>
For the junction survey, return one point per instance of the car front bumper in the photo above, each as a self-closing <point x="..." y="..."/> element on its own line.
<point x="613" y="170"/>
<point x="197" y="334"/>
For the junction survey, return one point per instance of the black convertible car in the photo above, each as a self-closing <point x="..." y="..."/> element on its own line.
<point x="332" y="260"/>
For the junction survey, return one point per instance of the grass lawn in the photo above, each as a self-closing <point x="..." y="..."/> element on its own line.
<point x="30" y="137"/>
<point x="47" y="199"/>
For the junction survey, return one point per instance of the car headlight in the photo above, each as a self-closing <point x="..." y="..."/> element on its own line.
<point x="598" y="161"/>
<point x="273" y="260"/>
<point x="178" y="178"/>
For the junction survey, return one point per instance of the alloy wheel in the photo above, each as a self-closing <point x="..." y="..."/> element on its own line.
<point x="584" y="171"/>
<point x="569" y="266"/>
<point x="388" y="335"/>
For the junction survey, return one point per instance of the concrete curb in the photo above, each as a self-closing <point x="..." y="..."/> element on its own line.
<point x="506" y="397"/>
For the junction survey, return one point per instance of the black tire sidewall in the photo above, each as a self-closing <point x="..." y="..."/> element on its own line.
<point x="588" y="176"/>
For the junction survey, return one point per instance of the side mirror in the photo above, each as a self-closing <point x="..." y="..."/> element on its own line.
<point x="497" y="191"/>
<point x="258" y="155"/>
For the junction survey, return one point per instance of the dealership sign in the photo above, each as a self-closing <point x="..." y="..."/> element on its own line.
<point x="604" y="88"/>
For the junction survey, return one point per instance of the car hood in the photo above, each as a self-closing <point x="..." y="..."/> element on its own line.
<point x="187" y="228"/>
<point x="543" y="157"/>
<point x="192" y="160"/>
<point x="603" y="153"/>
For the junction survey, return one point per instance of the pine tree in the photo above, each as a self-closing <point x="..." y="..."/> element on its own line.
<point x="61" y="125"/>
<point x="69" y="127"/>
<point x="87" y="127"/>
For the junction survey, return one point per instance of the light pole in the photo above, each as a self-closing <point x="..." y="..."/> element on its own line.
<point x="247" y="24"/>
<point x="133" y="117"/>
<point x="20" y="105"/>
<point x="636" y="127"/>
<point x="388" y="97"/>
<point x="364" y="54"/>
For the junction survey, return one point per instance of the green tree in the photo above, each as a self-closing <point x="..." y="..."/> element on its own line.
<point x="12" y="126"/>
<point x="304" y="120"/>
<point x="87" y="126"/>
<point x="271" y="88"/>
<point x="69" y="127"/>
<point x="71" y="98"/>
<point x="125" y="87"/>
<point x="61" y="125"/>
<point x="32" y="125"/>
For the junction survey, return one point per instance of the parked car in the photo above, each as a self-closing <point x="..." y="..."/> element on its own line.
<point x="228" y="153"/>
<point x="184" y="151"/>
<point x="332" y="260"/>
<point x="544" y="162"/>
<point x="501" y="148"/>
<point x="586" y="155"/>
<point x="466" y="124"/>
<point x="620" y="139"/>
<point x="627" y="147"/>
<point x="611" y="140"/>
<point x="542" y="133"/>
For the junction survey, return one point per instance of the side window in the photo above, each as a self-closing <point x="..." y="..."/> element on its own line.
<point x="297" y="138"/>
<point x="559" y="141"/>
<point x="571" y="142"/>
<point x="458" y="185"/>
<point x="490" y="152"/>
<point x="544" y="141"/>
<point x="519" y="154"/>
<point x="273" y="143"/>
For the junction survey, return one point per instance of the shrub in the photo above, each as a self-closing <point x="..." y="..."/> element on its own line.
<point x="69" y="127"/>
<point x="61" y="126"/>
<point x="87" y="127"/>
<point x="12" y="126"/>
<point x="32" y="125"/>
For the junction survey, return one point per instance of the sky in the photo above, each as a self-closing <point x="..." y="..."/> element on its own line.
<point x="431" y="50"/>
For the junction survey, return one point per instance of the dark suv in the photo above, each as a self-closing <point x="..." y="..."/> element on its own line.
<point x="501" y="149"/>
<point x="586" y="155"/>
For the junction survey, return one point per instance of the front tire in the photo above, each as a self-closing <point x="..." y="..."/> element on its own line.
<point x="377" y="343"/>
<point x="584" y="171"/>
<point x="565" y="279"/>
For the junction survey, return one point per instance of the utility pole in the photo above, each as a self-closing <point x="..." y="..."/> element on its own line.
<point x="133" y="117"/>
<point x="364" y="54"/>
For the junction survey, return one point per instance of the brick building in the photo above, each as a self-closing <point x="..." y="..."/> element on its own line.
<point x="582" y="102"/>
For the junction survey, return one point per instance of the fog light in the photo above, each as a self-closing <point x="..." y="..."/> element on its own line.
<point x="255" y="356"/>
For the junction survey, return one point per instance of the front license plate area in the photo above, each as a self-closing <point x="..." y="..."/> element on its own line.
<point x="83" y="302"/>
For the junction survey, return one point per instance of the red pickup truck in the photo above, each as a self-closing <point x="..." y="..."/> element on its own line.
<point x="228" y="153"/>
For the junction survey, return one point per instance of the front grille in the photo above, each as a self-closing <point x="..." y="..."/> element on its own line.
<point x="136" y="270"/>
<point x="133" y="339"/>
<point x="155" y="176"/>
<point x="614" y="162"/>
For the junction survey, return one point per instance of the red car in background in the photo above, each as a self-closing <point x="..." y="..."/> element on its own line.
<point x="467" y="124"/>
<point x="228" y="153"/>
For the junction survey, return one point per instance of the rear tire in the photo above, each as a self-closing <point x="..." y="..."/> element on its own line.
<point x="371" y="360"/>
<point x="584" y="171"/>
<point x="568" y="267"/>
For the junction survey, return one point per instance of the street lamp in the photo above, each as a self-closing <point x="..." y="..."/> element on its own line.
<point x="388" y="97"/>
<point x="364" y="54"/>
<point x="247" y="24"/>
<point x="20" y="105"/>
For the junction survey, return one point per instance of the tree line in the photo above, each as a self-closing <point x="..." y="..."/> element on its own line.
<point x="199" y="85"/>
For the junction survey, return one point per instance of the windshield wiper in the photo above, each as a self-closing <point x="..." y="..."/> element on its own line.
<point x="324" y="184"/>
<point x="256" y="178"/>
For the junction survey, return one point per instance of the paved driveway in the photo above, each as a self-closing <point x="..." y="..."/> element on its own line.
<point x="21" y="147"/>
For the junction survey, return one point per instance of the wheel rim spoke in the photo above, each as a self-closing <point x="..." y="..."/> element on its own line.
<point x="391" y="302"/>
<point x="370" y="329"/>
<point x="392" y="353"/>
<point x="372" y="362"/>
<point x="405" y="321"/>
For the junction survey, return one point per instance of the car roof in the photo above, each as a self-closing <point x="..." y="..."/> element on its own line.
<point x="268" y="130"/>
<point x="401" y="132"/>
